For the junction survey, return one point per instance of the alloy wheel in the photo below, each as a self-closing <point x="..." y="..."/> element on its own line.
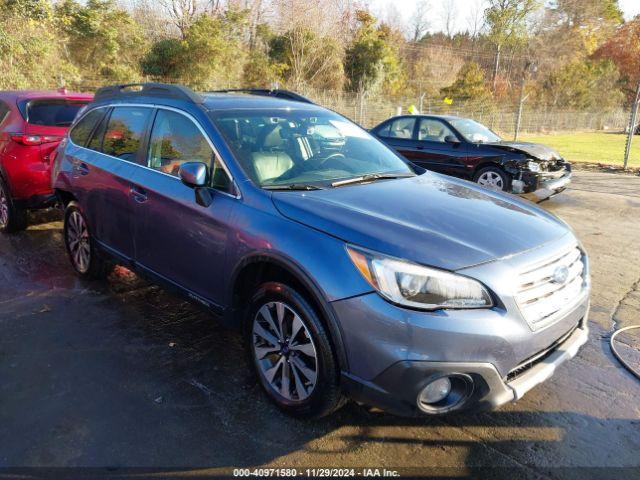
<point x="491" y="181"/>
<point x="284" y="351"/>
<point x="4" y="208"/>
<point x="78" y="242"/>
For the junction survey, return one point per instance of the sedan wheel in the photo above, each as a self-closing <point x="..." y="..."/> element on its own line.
<point x="77" y="236"/>
<point x="492" y="181"/>
<point x="284" y="352"/>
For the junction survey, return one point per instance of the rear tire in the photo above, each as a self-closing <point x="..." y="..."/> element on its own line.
<point x="12" y="218"/>
<point x="494" y="179"/>
<point x="85" y="257"/>
<point x="291" y="353"/>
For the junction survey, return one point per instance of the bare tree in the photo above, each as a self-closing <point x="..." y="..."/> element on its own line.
<point x="420" y="20"/>
<point x="475" y="17"/>
<point x="181" y="12"/>
<point x="393" y="18"/>
<point x="449" y="13"/>
<point x="308" y="40"/>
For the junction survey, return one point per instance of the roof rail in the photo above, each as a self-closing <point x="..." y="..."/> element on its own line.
<point x="163" y="90"/>
<point x="278" y="93"/>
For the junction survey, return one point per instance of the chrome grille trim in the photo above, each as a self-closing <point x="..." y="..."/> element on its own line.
<point x="540" y="299"/>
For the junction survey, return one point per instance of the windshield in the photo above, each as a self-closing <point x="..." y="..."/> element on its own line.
<point x="53" y="112"/>
<point x="475" y="132"/>
<point x="313" y="148"/>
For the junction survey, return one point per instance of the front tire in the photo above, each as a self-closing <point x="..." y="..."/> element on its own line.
<point x="12" y="218"/>
<point x="85" y="258"/>
<point x="291" y="352"/>
<point x="493" y="178"/>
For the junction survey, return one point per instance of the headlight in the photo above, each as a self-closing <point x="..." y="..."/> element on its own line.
<point x="533" y="167"/>
<point x="412" y="285"/>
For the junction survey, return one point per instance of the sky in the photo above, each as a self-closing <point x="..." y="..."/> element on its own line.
<point x="465" y="11"/>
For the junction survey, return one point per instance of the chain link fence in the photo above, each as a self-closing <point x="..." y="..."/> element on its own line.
<point x="370" y="110"/>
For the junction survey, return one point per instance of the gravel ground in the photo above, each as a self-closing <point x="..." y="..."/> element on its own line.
<point x="122" y="374"/>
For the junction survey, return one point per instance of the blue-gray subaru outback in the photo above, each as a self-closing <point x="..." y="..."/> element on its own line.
<point x="351" y="272"/>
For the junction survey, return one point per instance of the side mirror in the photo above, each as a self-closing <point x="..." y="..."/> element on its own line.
<point x="451" y="139"/>
<point x="193" y="174"/>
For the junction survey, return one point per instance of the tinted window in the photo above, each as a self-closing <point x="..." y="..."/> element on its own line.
<point x="433" y="131"/>
<point x="175" y="139"/>
<point x="98" y="135"/>
<point x="125" y="131"/>
<point x="52" y="113"/>
<point x="400" y="128"/>
<point x="80" y="133"/>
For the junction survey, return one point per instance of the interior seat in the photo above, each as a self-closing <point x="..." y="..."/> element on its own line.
<point x="268" y="165"/>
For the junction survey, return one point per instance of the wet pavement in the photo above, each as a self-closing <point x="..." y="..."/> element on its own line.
<point x="124" y="374"/>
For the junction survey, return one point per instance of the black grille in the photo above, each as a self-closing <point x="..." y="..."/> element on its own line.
<point x="538" y="357"/>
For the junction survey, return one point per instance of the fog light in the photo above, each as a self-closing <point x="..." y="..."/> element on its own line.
<point x="436" y="391"/>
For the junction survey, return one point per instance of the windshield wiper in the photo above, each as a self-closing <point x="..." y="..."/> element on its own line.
<point x="372" y="177"/>
<point x="292" y="186"/>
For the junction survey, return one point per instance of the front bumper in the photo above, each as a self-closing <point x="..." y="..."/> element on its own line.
<point x="550" y="187"/>
<point x="541" y="186"/>
<point x="396" y="390"/>
<point x="393" y="352"/>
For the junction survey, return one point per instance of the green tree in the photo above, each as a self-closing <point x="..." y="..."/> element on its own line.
<point x="371" y="63"/>
<point x="506" y="21"/>
<point x="101" y="39"/>
<point x="165" y="60"/>
<point x="214" y="52"/>
<point x="590" y="21"/>
<point x="307" y="59"/>
<point x="583" y="85"/>
<point x="39" y="10"/>
<point x="470" y="84"/>
<point x="30" y="54"/>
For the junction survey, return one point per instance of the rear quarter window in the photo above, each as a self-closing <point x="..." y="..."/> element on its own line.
<point x="81" y="132"/>
<point x="4" y="111"/>
<point x="51" y="112"/>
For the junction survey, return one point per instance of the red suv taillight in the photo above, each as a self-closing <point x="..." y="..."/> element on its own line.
<point x="31" y="140"/>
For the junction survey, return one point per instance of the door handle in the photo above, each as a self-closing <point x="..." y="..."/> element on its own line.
<point x="419" y="148"/>
<point x="138" y="194"/>
<point x="83" y="169"/>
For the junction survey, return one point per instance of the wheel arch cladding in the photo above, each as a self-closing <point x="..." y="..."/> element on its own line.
<point x="257" y="269"/>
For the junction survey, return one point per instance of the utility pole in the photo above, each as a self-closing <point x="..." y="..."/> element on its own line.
<point x="632" y="127"/>
<point x="529" y="67"/>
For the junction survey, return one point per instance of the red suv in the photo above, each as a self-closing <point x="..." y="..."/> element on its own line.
<point x="31" y="127"/>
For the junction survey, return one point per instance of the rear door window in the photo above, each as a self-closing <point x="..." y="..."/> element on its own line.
<point x="125" y="131"/>
<point x="401" y="128"/>
<point x="51" y="112"/>
<point x="81" y="132"/>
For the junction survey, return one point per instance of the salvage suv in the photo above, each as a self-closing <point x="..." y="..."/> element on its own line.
<point x="350" y="271"/>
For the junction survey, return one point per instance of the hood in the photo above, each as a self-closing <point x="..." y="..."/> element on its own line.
<point x="535" y="150"/>
<point x="429" y="219"/>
